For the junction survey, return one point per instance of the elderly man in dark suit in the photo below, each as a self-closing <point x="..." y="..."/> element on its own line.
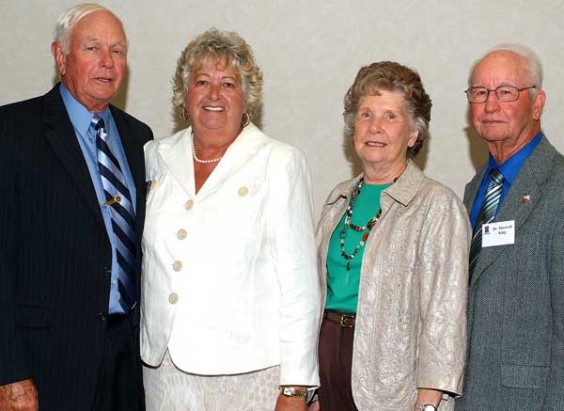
<point x="516" y="203"/>
<point x="72" y="194"/>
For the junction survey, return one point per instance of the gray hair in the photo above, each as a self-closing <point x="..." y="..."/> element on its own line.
<point x="71" y="17"/>
<point x="219" y="45"/>
<point x="534" y="66"/>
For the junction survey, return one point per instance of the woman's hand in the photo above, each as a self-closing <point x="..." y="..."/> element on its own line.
<point x="285" y="403"/>
<point x="314" y="406"/>
<point x="428" y="396"/>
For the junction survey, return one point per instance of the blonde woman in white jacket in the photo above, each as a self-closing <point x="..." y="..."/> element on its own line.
<point x="230" y="293"/>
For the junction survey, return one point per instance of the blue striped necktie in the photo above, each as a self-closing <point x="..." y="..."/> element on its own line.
<point x="118" y="198"/>
<point x="487" y="214"/>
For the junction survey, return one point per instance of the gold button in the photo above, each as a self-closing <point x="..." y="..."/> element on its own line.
<point x="181" y="234"/>
<point x="177" y="265"/>
<point x="189" y="204"/>
<point x="243" y="191"/>
<point x="173" y="298"/>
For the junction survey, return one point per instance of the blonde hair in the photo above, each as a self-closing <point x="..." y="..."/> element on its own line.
<point x="219" y="45"/>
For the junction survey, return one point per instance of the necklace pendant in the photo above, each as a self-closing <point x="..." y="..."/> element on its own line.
<point x="348" y="265"/>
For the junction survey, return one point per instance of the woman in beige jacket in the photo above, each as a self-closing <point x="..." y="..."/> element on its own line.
<point x="393" y="256"/>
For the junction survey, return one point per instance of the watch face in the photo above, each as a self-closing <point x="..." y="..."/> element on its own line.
<point x="429" y="407"/>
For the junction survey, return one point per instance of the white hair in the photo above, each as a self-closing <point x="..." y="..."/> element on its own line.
<point x="534" y="66"/>
<point x="69" y="18"/>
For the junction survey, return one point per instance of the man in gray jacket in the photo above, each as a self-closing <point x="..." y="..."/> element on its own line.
<point x="516" y="205"/>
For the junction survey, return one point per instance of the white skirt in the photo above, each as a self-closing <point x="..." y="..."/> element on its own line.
<point x="168" y="388"/>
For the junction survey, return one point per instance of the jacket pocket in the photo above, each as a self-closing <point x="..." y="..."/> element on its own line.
<point x="523" y="376"/>
<point x="33" y="316"/>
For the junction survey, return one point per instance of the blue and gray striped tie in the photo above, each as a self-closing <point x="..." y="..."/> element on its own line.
<point x="118" y="198"/>
<point x="487" y="214"/>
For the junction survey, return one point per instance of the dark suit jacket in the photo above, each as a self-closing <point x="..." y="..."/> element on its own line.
<point x="516" y="300"/>
<point x="55" y="255"/>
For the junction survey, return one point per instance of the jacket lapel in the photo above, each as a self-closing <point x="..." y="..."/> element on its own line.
<point x="243" y="149"/>
<point x="527" y="185"/>
<point x="61" y="136"/>
<point x="471" y="189"/>
<point x="176" y="155"/>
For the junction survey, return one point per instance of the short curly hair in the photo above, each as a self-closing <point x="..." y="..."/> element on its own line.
<point x="231" y="48"/>
<point x="391" y="76"/>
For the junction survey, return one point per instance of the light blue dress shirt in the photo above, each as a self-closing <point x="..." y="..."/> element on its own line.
<point x="81" y="120"/>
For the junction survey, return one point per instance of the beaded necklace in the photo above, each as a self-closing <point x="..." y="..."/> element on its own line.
<point x="349" y="224"/>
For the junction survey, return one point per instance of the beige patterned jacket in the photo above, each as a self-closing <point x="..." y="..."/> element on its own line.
<point x="411" y="314"/>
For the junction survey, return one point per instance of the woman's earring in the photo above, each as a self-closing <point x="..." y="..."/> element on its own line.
<point x="184" y="114"/>
<point x="245" y="121"/>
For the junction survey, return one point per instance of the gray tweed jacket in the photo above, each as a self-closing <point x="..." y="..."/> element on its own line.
<point x="516" y="297"/>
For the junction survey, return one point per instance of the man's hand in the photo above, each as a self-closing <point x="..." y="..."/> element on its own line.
<point x="284" y="403"/>
<point x="19" y="396"/>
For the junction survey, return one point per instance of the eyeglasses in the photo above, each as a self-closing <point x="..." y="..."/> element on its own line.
<point x="505" y="94"/>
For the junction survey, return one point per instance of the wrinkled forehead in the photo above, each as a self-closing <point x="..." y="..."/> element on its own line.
<point x="501" y="67"/>
<point x="99" y="24"/>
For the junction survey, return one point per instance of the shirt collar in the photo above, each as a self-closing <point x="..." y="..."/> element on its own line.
<point x="80" y="117"/>
<point x="510" y="168"/>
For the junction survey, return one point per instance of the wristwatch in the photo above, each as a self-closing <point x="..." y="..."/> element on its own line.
<point x="305" y="393"/>
<point x="425" y="407"/>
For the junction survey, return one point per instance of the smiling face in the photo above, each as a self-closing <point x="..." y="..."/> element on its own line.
<point x="215" y="101"/>
<point x="94" y="68"/>
<point x="505" y="127"/>
<point x="383" y="132"/>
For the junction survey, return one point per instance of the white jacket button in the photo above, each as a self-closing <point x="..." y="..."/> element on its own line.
<point x="181" y="234"/>
<point x="173" y="298"/>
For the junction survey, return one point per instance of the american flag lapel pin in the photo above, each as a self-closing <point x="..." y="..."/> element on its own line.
<point x="526" y="199"/>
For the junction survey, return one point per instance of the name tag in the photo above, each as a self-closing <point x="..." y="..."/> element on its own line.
<point x="500" y="233"/>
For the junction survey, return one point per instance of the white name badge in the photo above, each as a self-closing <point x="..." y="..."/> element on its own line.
<point x="500" y="233"/>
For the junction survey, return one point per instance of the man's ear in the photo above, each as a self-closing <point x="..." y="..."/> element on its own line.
<point x="60" y="58"/>
<point x="538" y="104"/>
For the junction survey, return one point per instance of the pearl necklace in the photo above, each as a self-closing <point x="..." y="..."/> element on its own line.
<point x="199" y="160"/>
<point x="349" y="224"/>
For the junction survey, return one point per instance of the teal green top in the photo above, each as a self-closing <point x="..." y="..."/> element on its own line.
<point x="342" y="285"/>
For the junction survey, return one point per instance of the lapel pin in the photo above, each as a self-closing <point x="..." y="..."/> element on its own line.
<point x="526" y="199"/>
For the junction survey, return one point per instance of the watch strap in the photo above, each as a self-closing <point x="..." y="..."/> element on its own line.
<point x="302" y="392"/>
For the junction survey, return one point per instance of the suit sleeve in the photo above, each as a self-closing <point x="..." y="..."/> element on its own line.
<point x="554" y="399"/>
<point x="294" y="252"/>
<point x="13" y="362"/>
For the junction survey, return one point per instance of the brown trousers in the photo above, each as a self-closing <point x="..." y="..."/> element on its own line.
<point x="335" y="363"/>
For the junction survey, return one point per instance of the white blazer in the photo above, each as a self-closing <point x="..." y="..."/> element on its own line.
<point x="229" y="280"/>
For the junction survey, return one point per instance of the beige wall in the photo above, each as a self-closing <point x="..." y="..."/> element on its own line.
<point x="310" y="51"/>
